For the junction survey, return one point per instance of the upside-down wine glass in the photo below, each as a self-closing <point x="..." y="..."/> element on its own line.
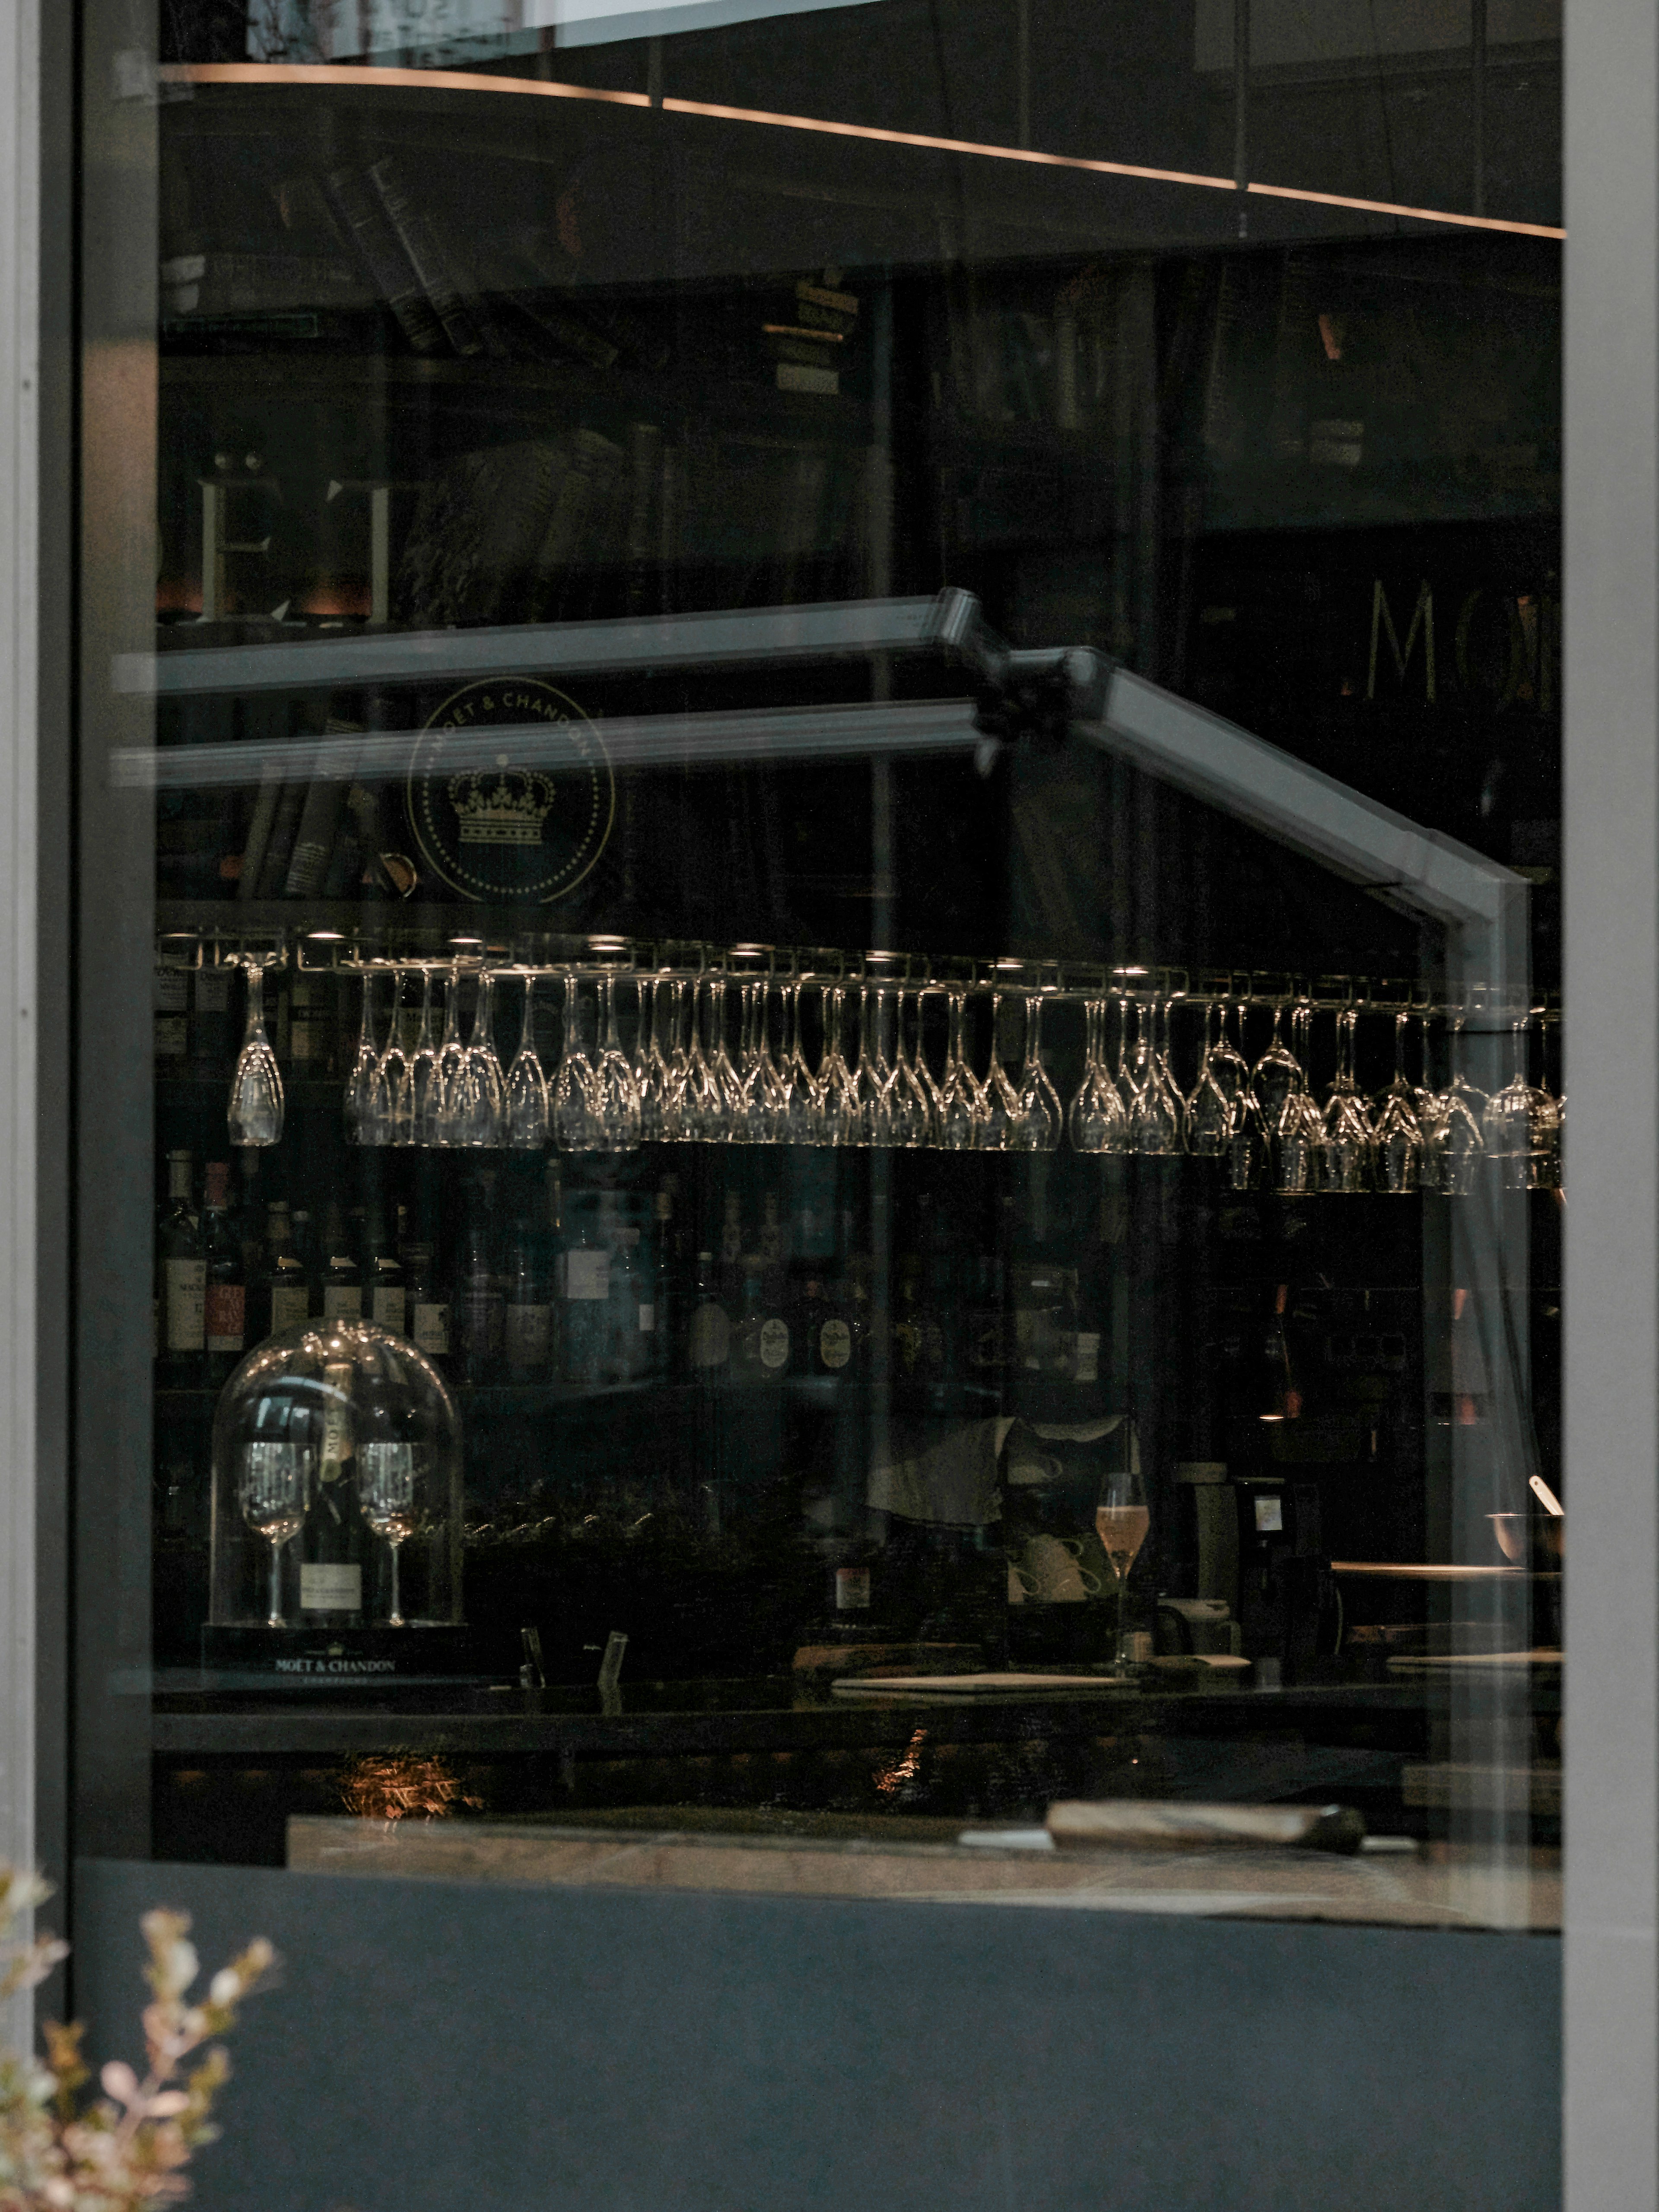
<point x="961" y="1101"/>
<point x="526" y="1085"/>
<point x="361" y="1080"/>
<point x="836" y="1082"/>
<point x="1522" y="1125"/>
<point x="1347" y="1147"/>
<point x="1399" y="1131"/>
<point x="1096" y="1122"/>
<point x="452" y="1059"/>
<point x="1455" y="1133"/>
<point x="273" y="1490"/>
<point x="1155" y="1125"/>
<point x="1209" y="1109"/>
<point x="1299" y="1130"/>
<point x="256" y="1089"/>
<point x="424" y="1073"/>
<point x="570" y="1107"/>
<point x="615" y="1094"/>
<point x="803" y="1097"/>
<point x="1037" y="1118"/>
<point x="1002" y="1100"/>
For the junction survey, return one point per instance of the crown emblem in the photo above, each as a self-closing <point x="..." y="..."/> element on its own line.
<point x="501" y="807"/>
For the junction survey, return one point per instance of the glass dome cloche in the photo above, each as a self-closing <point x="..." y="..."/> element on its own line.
<point x="337" y="1494"/>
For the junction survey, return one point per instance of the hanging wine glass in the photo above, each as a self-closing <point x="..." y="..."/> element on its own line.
<point x="480" y="1111"/>
<point x="961" y="1100"/>
<point x="668" y="1044"/>
<point x="526" y="1085"/>
<point x="1000" y="1101"/>
<point x="1096" y="1121"/>
<point x="835" y="1081"/>
<point x="1299" y="1130"/>
<point x="1454" y="1135"/>
<point x="1037" y="1118"/>
<point x="648" y="1070"/>
<point x="256" y="1089"/>
<point x="616" y="1097"/>
<point x="273" y="1489"/>
<point x="912" y="1096"/>
<point x="1347" y="1146"/>
<point x="1399" y="1131"/>
<point x="1131" y="1053"/>
<point x="765" y="1102"/>
<point x="1210" y="1108"/>
<point x="1277" y="1075"/>
<point x="1247" y="1130"/>
<point x="1521" y="1125"/>
<point x="424" y="1073"/>
<point x="360" y="1082"/>
<point x="452" y="1059"/>
<point x="728" y="1090"/>
<point x="874" y="1077"/>
<point x="386" y="1492"/>
<point x="570" y="1106"/>
<point x="1156" y="1124"/>
<point x="803" y="1109"/>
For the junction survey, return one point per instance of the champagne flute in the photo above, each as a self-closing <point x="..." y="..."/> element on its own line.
<point x="1121" y="1522"/>
<point x="1096" y="1121"/>
<point x="914" y="1095"/>
<point x="571" y="1105"/>
<point x="1399" y="1131"/>
<point x="1037" y="1118"/>
<point x="836" y="1085"/>
<point x="962" y="1101"/>
<point x="1000" y="1102"/>
<point x="452" y="1059"/>
<point x="479" y="1108"/>
<point x="386" y="1492"/>
<point x="423" y="1086"/>
<point x="803" y="1107"/>
<point x="273" y="1490"/>
<point x="256" y="1089"/>
<point x="668" y="1019"/>
<point x="360" y="1082"/>
<point x="614" y="1093"/>
<point x="1155" y="1123"/>
<point x="526" y="1086"/>
<point x="650" y="1074"/>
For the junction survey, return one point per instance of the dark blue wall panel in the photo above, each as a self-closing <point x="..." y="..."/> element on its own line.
<point x="440" y="2047"/>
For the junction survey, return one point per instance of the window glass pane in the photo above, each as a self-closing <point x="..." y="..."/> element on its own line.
<point x="821" y="887"/>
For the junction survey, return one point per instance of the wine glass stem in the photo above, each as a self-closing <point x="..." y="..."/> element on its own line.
<point x="273" y="1618"/>
<point x="1121" y="1655"/>
<point x="395" y="1617"/>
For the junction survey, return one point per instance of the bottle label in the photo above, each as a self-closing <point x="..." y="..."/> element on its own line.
<point x="1086" y="1359"/>
<point x="186" y="1281"/>
<point x="529" y="1332"/>
<point x="343" y="1301"/>
<point x="586" y="1274"/>
<point x="290" y="1304"/>
<point x="213" y="990"/>
<point x="303" y="1042"/>
<point x="391" y="1306"/>
<point x="647" y="1320"/>
<point x="852" y="1589"/>
<point x="172" y="1036"/>
<point x="331" y="1588"/>
<point x="710" y="1336"/>
<point x="171" y="987"/>
<point x="775" y="1344"/>
<point x="432" y="1330"/>
<point x="834" y="1344"/>
<point x="225" y="1316"/>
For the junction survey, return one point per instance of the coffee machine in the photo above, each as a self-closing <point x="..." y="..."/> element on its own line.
<point x="1257" y="1542"/>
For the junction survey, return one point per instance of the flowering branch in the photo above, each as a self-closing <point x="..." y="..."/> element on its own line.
<point x="123" y="2152"/>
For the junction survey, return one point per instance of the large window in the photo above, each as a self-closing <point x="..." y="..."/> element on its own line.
<point x="820" y="897"/>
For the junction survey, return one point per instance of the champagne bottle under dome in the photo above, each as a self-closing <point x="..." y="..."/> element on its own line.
<point x="335" y="1544"/>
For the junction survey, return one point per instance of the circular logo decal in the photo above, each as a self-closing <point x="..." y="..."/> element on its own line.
<point x="510" y="822"/>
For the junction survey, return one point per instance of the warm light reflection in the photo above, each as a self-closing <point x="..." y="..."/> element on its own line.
<point x="383" y="1786"/>
<point x="406" y="80"/>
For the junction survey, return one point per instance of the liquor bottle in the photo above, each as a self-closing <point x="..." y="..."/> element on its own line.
<point x="284" y="1288"/>
<point x="527" y="1316"/>
<point x="855" y="1592"/>
<point x="225" y="1303"/>
<point x="183" y="1281"/>
<point x="633" y="1308"/>
<point x="770" y="1243"/>
<point x="826" y="1340"/>
<point x="388" y="1290"/>
<point x="334" y="1542"/>
<point x="428" y="1312"/>
<point x="760" y="1350"/>
<point x="311" y="1025"/>
<point x="171" y="1002"/>
<point x="212" y="1041"/>
<point x="304" y="1251"/>
<point x="731" y="1247"/>
<point x="342" y="1278"/>
<point x="584" y="1313"/>
<point x="708" y="1330"/>
<point x="478" y="1305"/>
<point x="249" y="1219"/>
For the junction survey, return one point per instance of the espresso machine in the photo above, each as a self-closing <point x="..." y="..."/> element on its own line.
<point x="1254" y="1542"/>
